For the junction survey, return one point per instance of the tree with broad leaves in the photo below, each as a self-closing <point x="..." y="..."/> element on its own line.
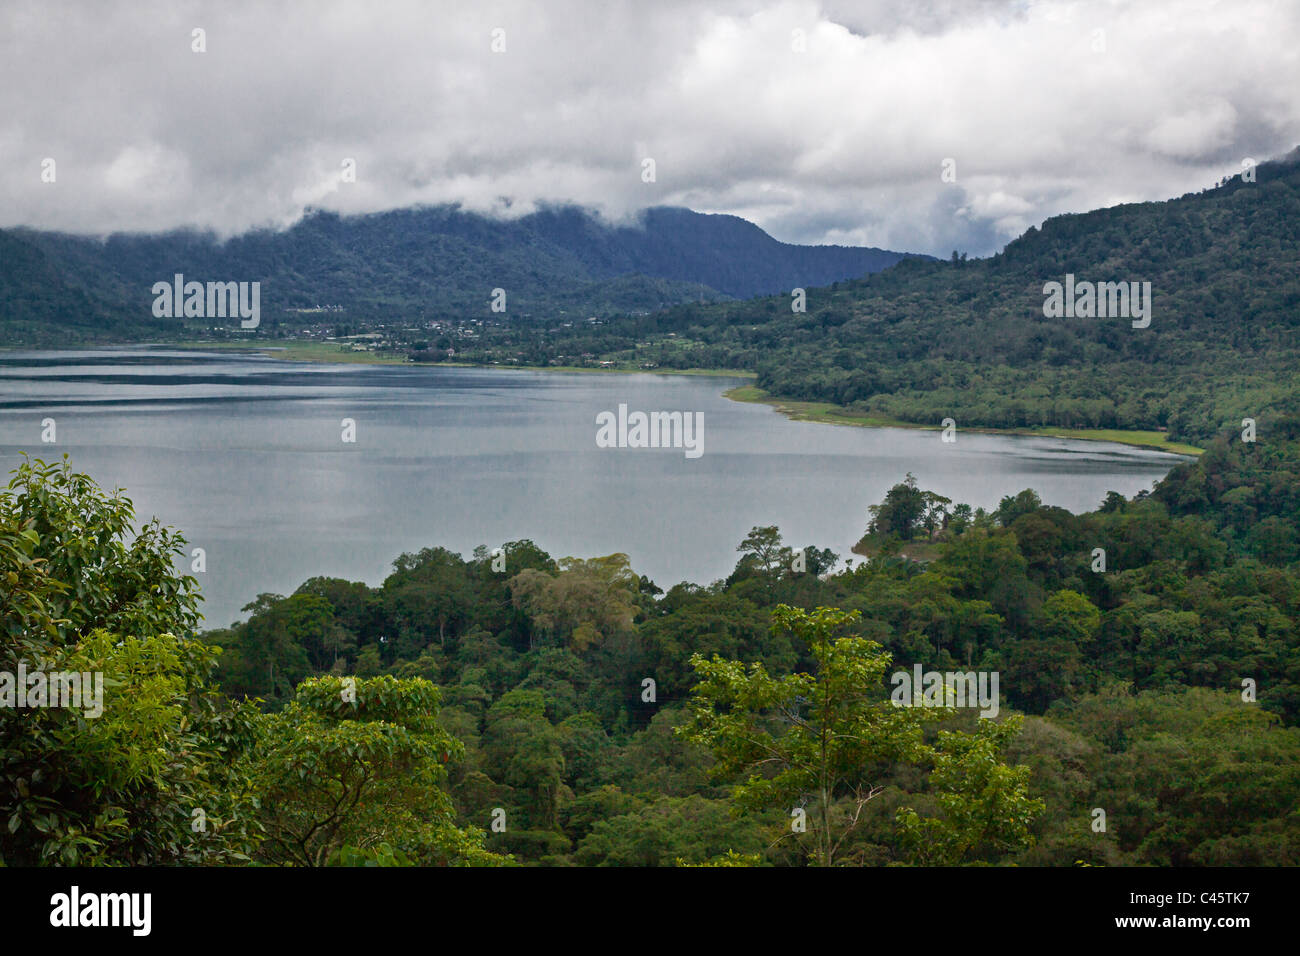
<point x="822" y="739"/>
<point x="804" y="737"/>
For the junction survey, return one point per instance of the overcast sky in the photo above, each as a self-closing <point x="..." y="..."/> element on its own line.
<point x="833" y="134"/>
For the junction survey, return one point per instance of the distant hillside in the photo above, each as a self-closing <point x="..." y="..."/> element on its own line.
<point x="968" y="340"/>
<point x="405" y="263"/>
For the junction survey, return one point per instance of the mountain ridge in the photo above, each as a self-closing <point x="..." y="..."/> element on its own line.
<point x="429" y="260"/>
<point x="971" y="341"/>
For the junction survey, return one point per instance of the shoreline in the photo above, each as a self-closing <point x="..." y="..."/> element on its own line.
<point x="316" y="354"/>
<point x="827" y="413"/>
<point x="824" y="413"/>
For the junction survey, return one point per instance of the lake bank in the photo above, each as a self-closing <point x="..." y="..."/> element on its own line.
<point x="295" y="351"/>
<point x="252" y="459"/>
<point x="828" y="413"/>
<point x="825" y="413"/>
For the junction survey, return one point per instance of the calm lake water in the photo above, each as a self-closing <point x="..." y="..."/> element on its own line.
<point x="245" y="455"/>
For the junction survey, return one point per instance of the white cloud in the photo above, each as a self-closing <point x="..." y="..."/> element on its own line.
<point x="1188" y="135"/>
<point x="842" y="142"/>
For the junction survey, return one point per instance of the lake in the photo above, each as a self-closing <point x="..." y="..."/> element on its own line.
<point x="245" y="454"/>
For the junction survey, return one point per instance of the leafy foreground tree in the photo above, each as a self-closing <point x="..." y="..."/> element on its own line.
<point x="351" y="772"/>
<point x="814" y="742"/>
<point x="986" y="804"/>
<point x="161" y="768"/>
<point x="116" y="780"/>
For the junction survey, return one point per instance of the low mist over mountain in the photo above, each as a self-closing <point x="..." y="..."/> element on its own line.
<point x="973" y="340"/>
<point x="411" y="263"/>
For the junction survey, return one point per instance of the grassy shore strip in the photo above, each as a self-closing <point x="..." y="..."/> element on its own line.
<point x="293" y="351"/>
<point x="832" y="414"/>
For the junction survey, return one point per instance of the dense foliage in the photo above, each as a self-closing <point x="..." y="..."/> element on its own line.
<point x="157" y="766"/>
<point x="1130" y="680"/>
<point x="510" y="705"/>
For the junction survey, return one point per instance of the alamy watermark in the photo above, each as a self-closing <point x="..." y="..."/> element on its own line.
<point x="921" y="688"/>
<point x="75" y="690"/>
<point x="1101" y="300"/>
<point x="215" y="300"/>
<point x="75" y="908"/>
<point x="625" y="429"/>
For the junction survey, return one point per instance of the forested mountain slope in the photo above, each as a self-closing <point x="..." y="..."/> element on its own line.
<point x="408" y="264"/>
<point x="968" y="339"/>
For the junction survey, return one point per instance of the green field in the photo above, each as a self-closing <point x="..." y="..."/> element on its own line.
<point x="296" y="351"/>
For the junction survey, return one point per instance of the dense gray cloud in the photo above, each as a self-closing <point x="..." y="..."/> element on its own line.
<point x="822" y="122"/>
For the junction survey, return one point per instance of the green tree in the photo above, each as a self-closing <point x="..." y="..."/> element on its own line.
<point x="762" y="549"/>
<point x="113" y="575"/>
<point x="427" y="595"/>
<point x="902" y="512"/>
<point x="585" y="603"/>
<point x="808" y="739"/>
<point x="1012" y="507"/>
<point x="688" y="830"/>
<point x="1048" y="663"/>
<point x="986" y="804"/>
<point x="805" y="738"/>
<point x="264" y="656"/>
<point x="351" y="765"/>
<point x="118" y="779"/>
<point x="523" y="751"/>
